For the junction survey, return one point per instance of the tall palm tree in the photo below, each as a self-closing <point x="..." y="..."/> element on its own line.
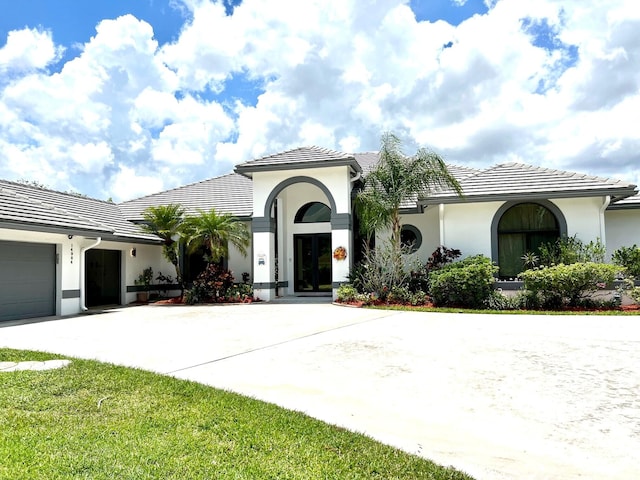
<point x="396" y="180"/>
<point x="215" y="231"/>
<point x="165" y="221"/>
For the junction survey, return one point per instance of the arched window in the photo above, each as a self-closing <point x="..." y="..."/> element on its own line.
<point x="313" y="212"/>
<point x="410" y="236"/>
<point x="521" y="229"/>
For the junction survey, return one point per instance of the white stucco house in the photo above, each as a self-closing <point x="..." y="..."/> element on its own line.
<point x="61" y="253"/>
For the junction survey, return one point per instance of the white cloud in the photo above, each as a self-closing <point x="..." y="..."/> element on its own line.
<point x="27" y="50"/>
<point x="128" y="183"/>
<point x="550" y="82"/>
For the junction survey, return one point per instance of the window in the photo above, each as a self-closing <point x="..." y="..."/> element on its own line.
<point x="313" y="212"/>
<point x="521" y="229"/>
<point x="410" y="236"/>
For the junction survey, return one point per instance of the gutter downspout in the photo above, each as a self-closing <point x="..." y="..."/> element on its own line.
<point x="441" y="218"/>
<point x="603" y="233"/>
<point x="83" y="307"/>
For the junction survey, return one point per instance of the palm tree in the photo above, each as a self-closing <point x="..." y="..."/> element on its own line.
<point x="165" y="221"/>
<point x="396" y="180"/>
<point x="215" y="231"/>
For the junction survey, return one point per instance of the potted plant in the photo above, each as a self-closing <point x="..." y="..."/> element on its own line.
<point x="144" y="281"/>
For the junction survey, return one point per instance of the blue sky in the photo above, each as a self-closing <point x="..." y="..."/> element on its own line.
<point x="119" y="99"/>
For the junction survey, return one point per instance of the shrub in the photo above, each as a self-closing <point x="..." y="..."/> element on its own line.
<point x="562" y="285"/>
<point x="634" y="293"/>
<point x="419" y="278"/>
<point x="442" y="256"/>
<point x="240" y="292"/>
<point x="468" y="283"/>
<point x="628" y="257"/>
<point x="346" y="293"/>
<point x="212" y="285"/>
<point x="568" y="250"/>
<point x="499" y="301"/>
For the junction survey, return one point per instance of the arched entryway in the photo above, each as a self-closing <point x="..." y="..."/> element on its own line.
<point x="295" y="238"/>
<point x="519" y="228"/>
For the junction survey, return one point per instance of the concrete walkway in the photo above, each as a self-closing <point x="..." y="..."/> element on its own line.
<point x="500" y="397"/>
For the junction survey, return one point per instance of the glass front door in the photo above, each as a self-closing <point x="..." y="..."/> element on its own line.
<point x="312" y="262"/>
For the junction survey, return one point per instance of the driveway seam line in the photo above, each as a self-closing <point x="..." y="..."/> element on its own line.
<point x="266" y="347"/>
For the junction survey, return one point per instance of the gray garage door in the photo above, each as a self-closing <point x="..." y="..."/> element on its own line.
<point x="27" y="280"/>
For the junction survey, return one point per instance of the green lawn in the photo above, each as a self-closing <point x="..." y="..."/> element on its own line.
<point x="406" y="308"/>
<point x="96" y="421"/>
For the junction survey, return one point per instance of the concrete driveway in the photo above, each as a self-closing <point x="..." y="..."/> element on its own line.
<point x="496" y="396"/>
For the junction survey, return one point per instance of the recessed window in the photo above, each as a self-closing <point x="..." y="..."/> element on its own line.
<point x="313" y="212"/>
<point x="411" y="237"/>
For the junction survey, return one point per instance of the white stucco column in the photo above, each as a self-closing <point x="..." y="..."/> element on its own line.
<point x="264" y="271"/>
<point x="340" y="268"/>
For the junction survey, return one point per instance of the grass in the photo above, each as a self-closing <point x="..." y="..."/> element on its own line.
<point x="92" y="420"/>
<point x="407" y="308"/>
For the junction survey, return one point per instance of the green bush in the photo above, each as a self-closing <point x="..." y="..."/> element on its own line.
<point x="568" y="285"/>
<point x="634" y="293"/>
<point x="568" y="250"/>
<point x="499" y="301"/>
<point x="346" y="293"/>
<point x="628" y="257"/>
<point x="468" y="283"/>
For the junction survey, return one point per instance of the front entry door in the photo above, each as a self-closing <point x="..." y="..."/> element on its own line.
<point x="312" y="262"/>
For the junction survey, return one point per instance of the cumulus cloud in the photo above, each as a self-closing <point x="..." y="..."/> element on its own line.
<point x="28" y="50"/>
<point x="552" y="83"/>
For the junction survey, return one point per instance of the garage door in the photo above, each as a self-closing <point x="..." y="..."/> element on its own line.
<point x="27" y="280"/>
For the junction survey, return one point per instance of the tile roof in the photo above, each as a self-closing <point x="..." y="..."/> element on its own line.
<point x="231" y="193"/>
<point x="24" y="206"/>
<point x="626" y="203"/>
<point x="303" y="157"/>
<point x="518" y="180"/>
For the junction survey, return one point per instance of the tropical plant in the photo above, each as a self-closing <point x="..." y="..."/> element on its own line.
<point x="384" y="268"/>
<point x="395" y="180"/>
<point x="165" y="221"/>
<point x="568" y="250"/>
<point x="212" y="285"/>
<point x="215" y="231"/>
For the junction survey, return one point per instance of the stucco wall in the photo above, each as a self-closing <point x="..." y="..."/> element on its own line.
<point x="467" y="227"/>
<point x="583" y="217"/>
<point x="429" y="225"/>
<point x="623" y="229"/>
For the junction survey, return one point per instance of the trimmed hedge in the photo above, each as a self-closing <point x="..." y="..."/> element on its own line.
<point x="467" y="283"/>
<point x="568" y="285"/>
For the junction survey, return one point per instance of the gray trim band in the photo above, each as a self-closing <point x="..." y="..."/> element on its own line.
<point x="264" y="285"/>
<point x="70" y="294"/>
<point x="292" y="181"/>
<point x="263" y="225"/>
<point x="340" y="221"/>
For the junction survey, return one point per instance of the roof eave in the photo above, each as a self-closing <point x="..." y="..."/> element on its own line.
<point x="104" y="234"/>
<point x="615" y="193"/>
<point x="247" y="170"/>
